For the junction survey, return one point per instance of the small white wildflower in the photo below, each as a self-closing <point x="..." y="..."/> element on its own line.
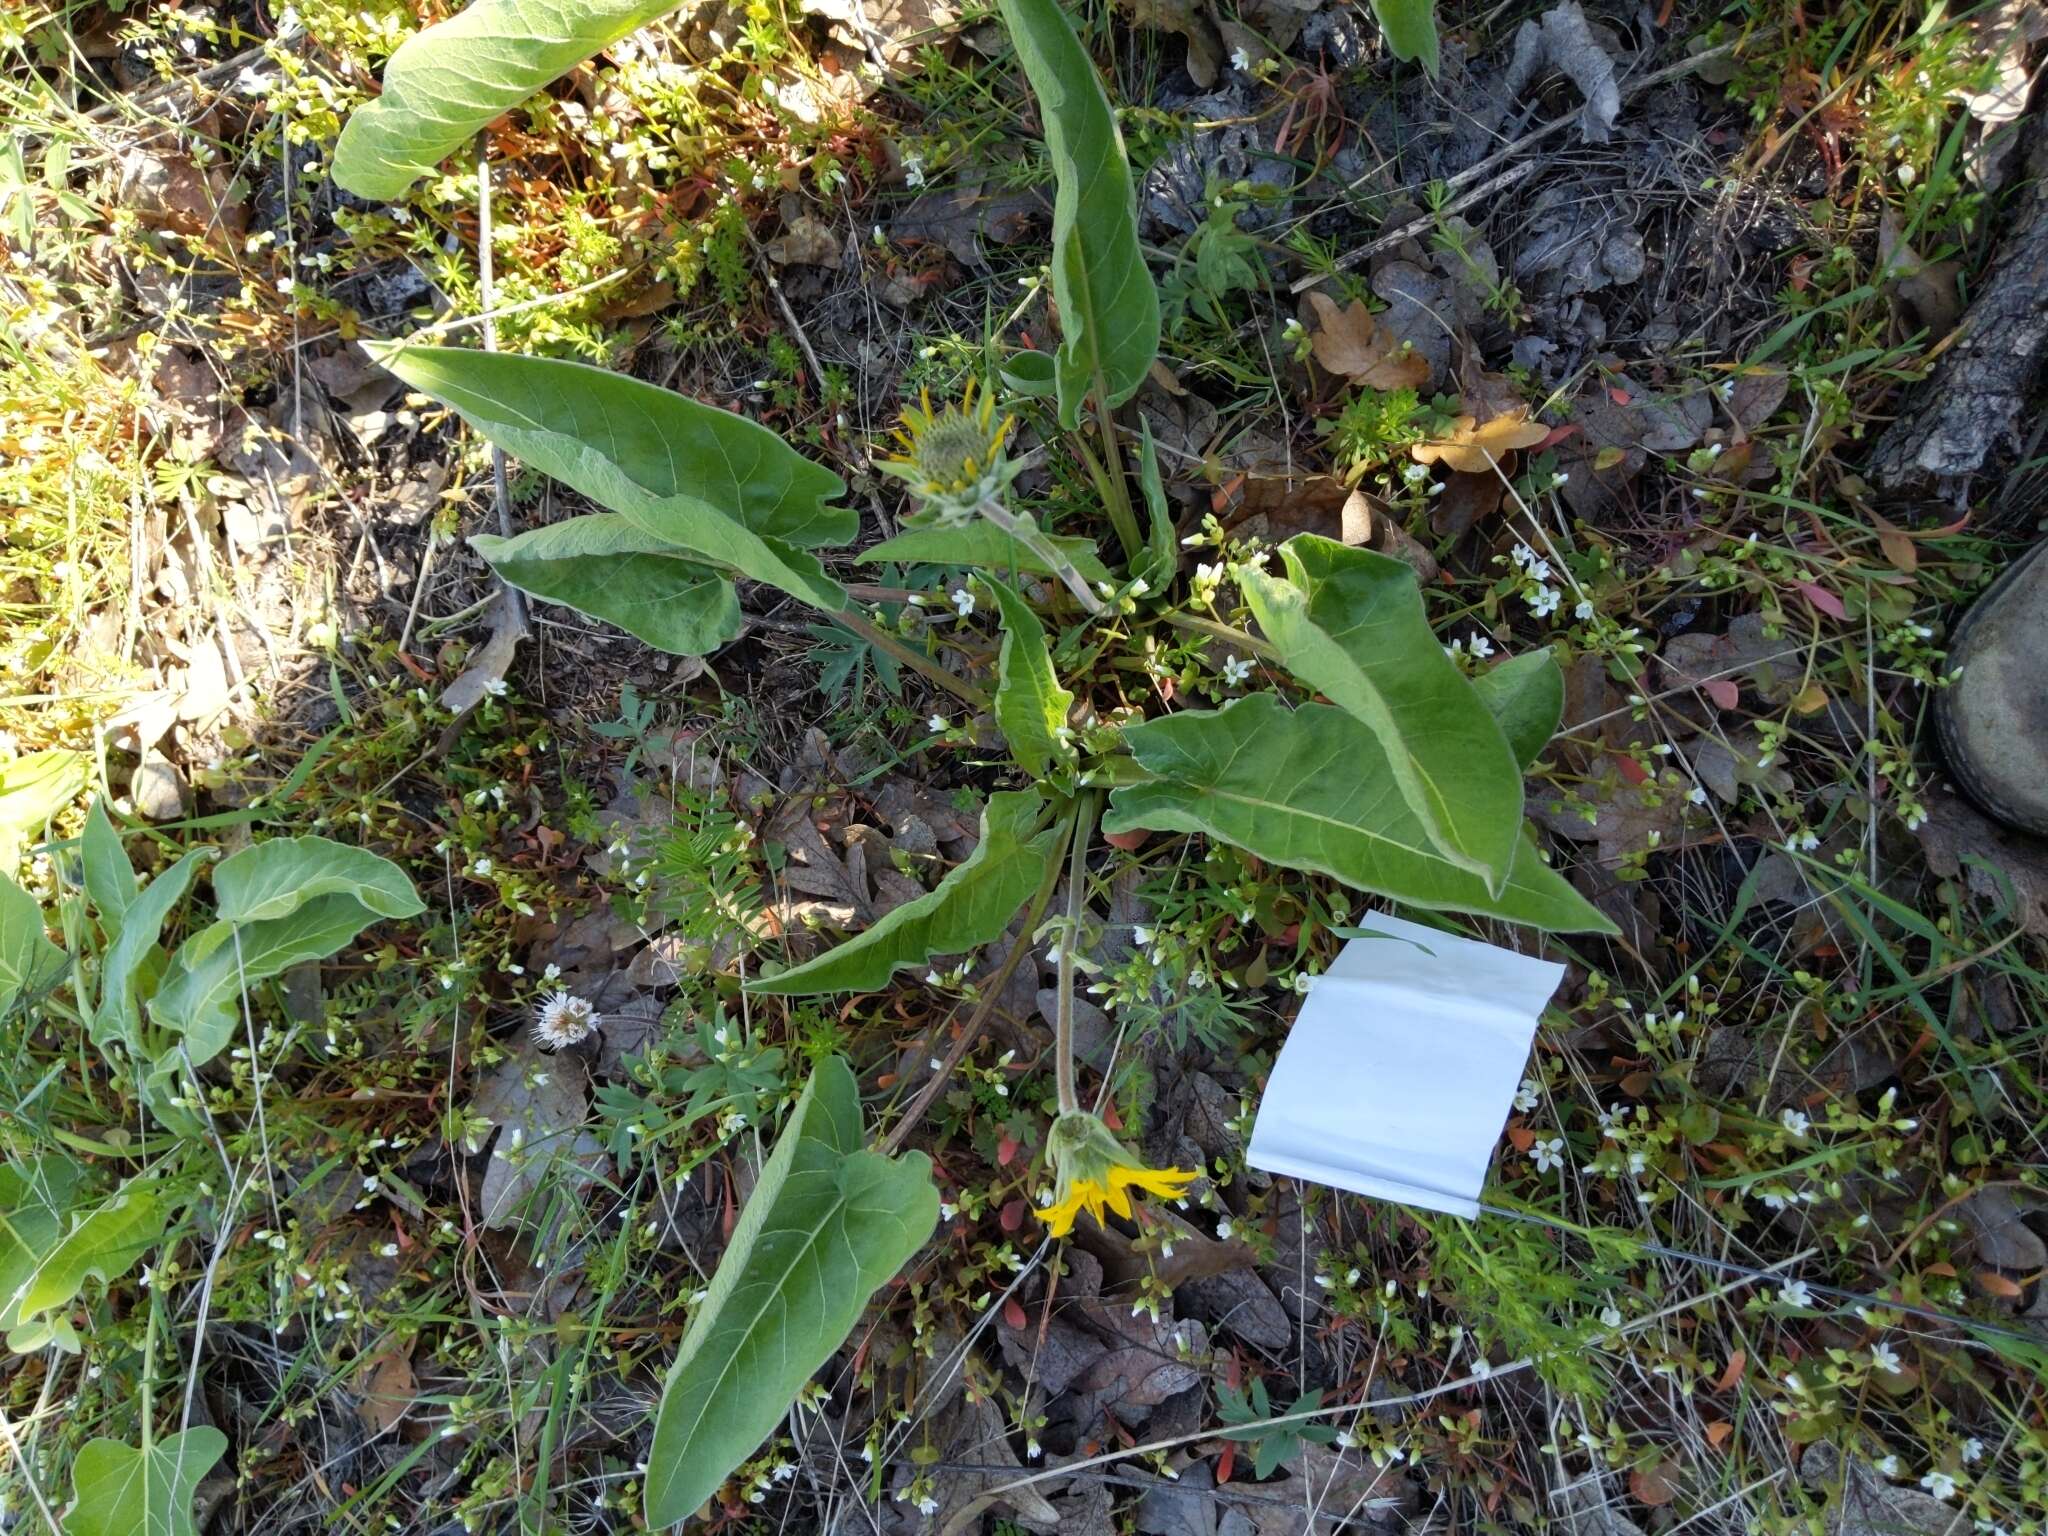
<point x="1528" y="1096"/>
<point x="1697" y="795"/>
<point x="1886" y="1359"/>
<point x="1481" y="647"/>
<point x="1795" y="1123"/>
<point x="1610" y="1316"/>
<point x="1973" y="1450"/>
<point x="963" y="602"/>
<point x="1888" y="1465"/>
<point x="1544" y="600"/>
<point x="1240" y="59"/>
<point x="937" y="723"/>
<point x="1796" y="1293"/>
<point x="1584" y="610"/>
<point x="481" y="867"/>
<point x="1236" y="669"/>
<point x="1547" y="1155"/>
<point x="1940" y="1484"/>
<point x="564" y="1019"/>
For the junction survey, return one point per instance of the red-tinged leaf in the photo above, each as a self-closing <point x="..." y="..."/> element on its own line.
<point x="1618" y="395"/>
<point x="1823" y="599"/>
<point x="1718" y="1431"/>
<point x="1520" y="1137"/>
<point x="1133" y="840"/>
<point x="1013" y="1214"/>
<point x="1006" y="1150"/>
<point x="1737" y="1362"/>
<point x="1225" y="1463"/>
<point x="1654" y="1485"/>
<point x="1013" y="1313"/>
<point x="1722" y="691"/>
<point x="1558" y="435"/>
<point x="1630" y="769"/>
<point x="1995" y="1284"/>
<point x="1111" y="1118"/>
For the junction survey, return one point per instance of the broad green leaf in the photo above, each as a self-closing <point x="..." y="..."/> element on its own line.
<point x="714" y="486"/>
<point x="1031" y="706"/>
<point x="1309" y="788"/>
<point x="1109" y="308"/>
<point x="118" y="1490"/>
<point x="982" y="546"/>
<point x="1350" y="624"/>
<point x="1030" y="374"/>
<point x="28" y="960"/>
<point x="118" y="1014"/>
<point x="99" y="1245"/>
<point x="1525" y="694"/>
<point x="606" y="566"/>
<point x="276" y="877"/>
<point x="447" y="83"/>
<point x="36" y="1198"/>
<point x="35" y="787"/>
<point x="1410" y="29"/>
<point x="215" y="966"/>
<point x="109" y="877"/>
<point x="970" y="907"/>
<point x="826" y="1226"/>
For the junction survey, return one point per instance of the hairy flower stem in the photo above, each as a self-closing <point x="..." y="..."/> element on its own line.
<point x="924" y="666"/>
<point x="1025" y="532"/>
<point x="1077" y="887"/>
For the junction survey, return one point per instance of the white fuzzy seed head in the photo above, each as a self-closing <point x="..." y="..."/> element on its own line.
<point x="562" y="1018"/>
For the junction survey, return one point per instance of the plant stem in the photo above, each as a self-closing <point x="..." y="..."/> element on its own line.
<point x="1077" y="886"/>
<point x="991" y="992"/>
<point x="924" y="666"/>
<point x="1026" y="532"/>
<point x="1116" y="495"/>
<point x="1196" y="624"/>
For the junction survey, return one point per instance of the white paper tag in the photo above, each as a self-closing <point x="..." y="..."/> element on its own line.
<point x="1402" y="1065"/>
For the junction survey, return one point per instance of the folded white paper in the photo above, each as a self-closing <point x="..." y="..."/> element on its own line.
<point x="1402" y="1065"/>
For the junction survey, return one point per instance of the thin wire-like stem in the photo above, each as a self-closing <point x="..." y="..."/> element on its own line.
<point x="1026" y="532"/>
<point x="1194" y="623"/>
<point x="1077" y="888"/>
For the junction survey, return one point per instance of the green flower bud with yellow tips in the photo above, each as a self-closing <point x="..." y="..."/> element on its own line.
<point x="1093" y="1171"/>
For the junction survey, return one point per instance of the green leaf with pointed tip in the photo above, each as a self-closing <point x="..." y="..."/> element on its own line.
<point x="35" y="787"/>
<point x="100" y="1245"/>
<point x="109" y="877"/>
<point x="117" y="1015"/>
<point x="1108" y="304"/>
<point x="970" y="907"/>
<point x="28" y="960"/>
<point x="1161" y="561"/>
<point x="1350" y="624"/>
<point x="609" y="567"/>
<point x="36" y="1199"/>
<point x="1525" y="695"/>
<point x="276" y="877"/>
<point x="714" y="486"/>
<point x="1310" y="788"/>
<point x="215" y="966"/>
<point x="1031" y="706"/>
<point x="446" y="84"/>
<point x="1410" y="29"/>
<point x="982" y="546"/>
<point x="826" y="1226"/>
<point x="118" y="1490"/>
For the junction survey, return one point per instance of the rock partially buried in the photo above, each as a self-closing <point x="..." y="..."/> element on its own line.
<point x="157" y="788"/>
<point x="1993" y="717"/>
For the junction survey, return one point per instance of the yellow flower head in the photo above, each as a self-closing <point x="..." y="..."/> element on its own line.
<point x="953" y="458"/>
<point x="1093" y="1170"/>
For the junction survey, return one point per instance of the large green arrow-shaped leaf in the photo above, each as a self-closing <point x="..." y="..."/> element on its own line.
<point x="1525" y="695"/>
<point x="276" y="877"/>
<point x="970" y="907"/>
<point x="99" y="1245"/>
<point x="28" y="960"/>
<point x="1410" y="29"/>
<point x="117" y="1016"/>
<point x="1031" y="706"/>
<point x="1309" y="788"/>
<point x="827" y="1224"/>
<point x="609" y="567"/>
<point x="216" y="965"/>
<point x="121" y="1491"/>
<point x="451" y="80"/>
<point x="714" y="486"/>
<point x="1109" y="307"/>
<point x="1350" y="624"/>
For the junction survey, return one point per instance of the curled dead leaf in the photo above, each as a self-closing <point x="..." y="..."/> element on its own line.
<point x="1475" y="448"/>
<point x="1350" y="342"/>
